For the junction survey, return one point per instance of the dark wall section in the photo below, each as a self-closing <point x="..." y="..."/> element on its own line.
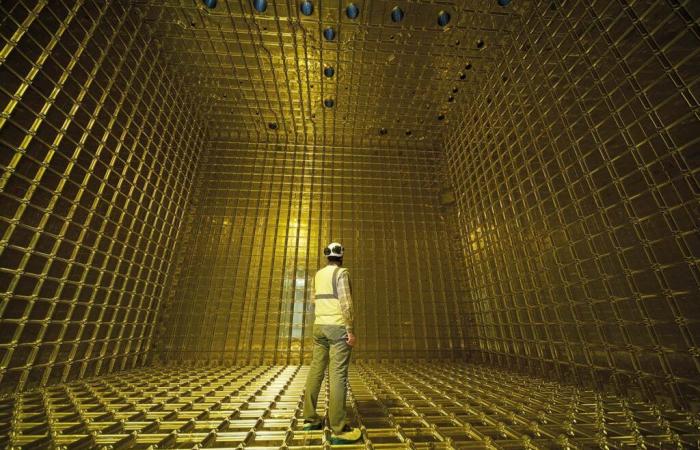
<point x="576" y="176"/>
<point x="264" y="213"/>
<point x="97" y="152"/>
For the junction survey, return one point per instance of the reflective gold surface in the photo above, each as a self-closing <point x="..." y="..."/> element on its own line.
<point x="575" y="170"/>
<point x="518" y="188"/>
<point x="263" y="215"/>
<point x="398" y="406"/>
<point x="98" y="146"/>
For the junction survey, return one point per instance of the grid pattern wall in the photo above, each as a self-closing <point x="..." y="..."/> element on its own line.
<point x="576" y="176"/>
<point x="263" y="214"/>
<point x="97" y="155"/>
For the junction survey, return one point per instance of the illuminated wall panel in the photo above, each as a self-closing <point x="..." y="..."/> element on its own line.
<point x="263" y="214"/>
<point x="575" y="170"/>
<point x="97" y="154"/>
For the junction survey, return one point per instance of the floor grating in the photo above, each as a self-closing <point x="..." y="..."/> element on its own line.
<point x="397" y="405"/>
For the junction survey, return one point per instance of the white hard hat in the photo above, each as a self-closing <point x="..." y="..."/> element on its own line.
<point x="334" y="249"/>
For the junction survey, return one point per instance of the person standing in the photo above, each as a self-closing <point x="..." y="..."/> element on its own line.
<point x="334" y="338"/>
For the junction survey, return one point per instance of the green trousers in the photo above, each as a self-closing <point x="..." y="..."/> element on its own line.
<point x="330" y="349"/>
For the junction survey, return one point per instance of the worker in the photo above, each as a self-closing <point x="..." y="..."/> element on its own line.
<point x="334" y="338"/>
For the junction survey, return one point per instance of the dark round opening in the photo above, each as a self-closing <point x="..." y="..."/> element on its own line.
<point x="480" y="43"/>
<point x="329" y="102"/>
<point x="260" y="5"/>
<point x="329" y="72"/>
<point x="443" y="18"/>
<point x="210" y="3"/>
<point x="397" y="14"/>
<point x="306" y="8"/>
<point x="441" y="117"/>
<point x="352" y="11"/>
<point x="329" y="33"/>
<point x="272" y="125"/>
<point x="383" y="131"/>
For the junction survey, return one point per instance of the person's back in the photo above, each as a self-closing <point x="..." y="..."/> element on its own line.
<point x="327" y="302"/>
<point x="333" y="341"/>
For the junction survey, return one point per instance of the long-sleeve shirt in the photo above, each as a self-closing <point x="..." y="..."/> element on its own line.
<point x="345" y="298"/>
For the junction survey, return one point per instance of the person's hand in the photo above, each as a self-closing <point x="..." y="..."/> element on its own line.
<point x="351" y="339"/>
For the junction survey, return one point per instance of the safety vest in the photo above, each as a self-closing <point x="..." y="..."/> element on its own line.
<point x="328" y="310"/>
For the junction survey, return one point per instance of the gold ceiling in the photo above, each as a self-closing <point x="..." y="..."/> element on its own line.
<point x="263" y="75"/>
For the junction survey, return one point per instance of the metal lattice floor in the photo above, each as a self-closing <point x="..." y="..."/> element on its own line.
<point x="397" y="405"/>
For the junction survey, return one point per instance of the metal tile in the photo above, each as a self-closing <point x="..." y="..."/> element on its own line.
<point x="519" y="188"/>
<point x="264" y="213"/>
<point x="578" y="198"/>
<point x="443" y="406"/>
<point x="99" y="147"/>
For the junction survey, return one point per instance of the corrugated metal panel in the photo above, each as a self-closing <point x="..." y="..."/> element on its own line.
<point x="576" y="174"/>
<point x="264" y="214"/>
<point x="517" y="187"/>
<point x="99" y="147"/>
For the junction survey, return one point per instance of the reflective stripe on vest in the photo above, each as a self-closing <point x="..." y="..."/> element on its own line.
<point x="327" y="309"/>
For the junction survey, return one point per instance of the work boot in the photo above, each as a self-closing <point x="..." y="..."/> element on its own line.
<point x="309" y="426"/>
<point x="349" y="435"/>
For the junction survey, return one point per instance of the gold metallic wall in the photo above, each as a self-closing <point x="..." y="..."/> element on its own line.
<point x="97" y="153"/>
<point x="263" y="214"/>
<point x="575" y="169"/>
<point x="518" y="187"/>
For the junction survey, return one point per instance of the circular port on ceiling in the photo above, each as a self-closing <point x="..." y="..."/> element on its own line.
<point x="352" y="11"/>
<point x="306" y="8"/>
<point x="329" y="33"/>
<point x="409" y="132"/>
<point x="328" y="103"/>
<point x="329" y="72"/>
<point x="450" y="99"/>
<point x="504" y="2"/>
<point x="462" y="76"/>
<point x="455" y="90"/>
<point x="480" y="43"/>
<point x="443" y="18"/>
<point x="209" y="3"/>
<point x="441" y="117"/>
<point x="260" y="5"/>
<point x="468" y="66"/>
<point x="383" y="131"/>
<point x="397" y="14"/>
<point x="272" y="125"/>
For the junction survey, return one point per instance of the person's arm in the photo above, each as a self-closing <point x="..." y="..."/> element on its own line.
<point x="311" y="304"/>
<point x="346" y="307"/>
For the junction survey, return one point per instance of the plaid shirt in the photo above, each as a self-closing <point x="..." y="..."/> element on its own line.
<point x="345" y="298"/>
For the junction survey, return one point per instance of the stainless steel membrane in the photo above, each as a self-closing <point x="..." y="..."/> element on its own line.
<point x="515" y="184"/>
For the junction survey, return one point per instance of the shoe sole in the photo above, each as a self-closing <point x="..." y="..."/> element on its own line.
<point x="341" y="441"/>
